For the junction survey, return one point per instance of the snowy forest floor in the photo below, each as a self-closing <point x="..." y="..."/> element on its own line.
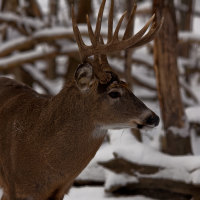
<point x="91" y="193"/>
<point x="97" y="193"/>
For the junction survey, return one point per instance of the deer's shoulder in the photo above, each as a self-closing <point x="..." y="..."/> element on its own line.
<point x="10" y="88"/>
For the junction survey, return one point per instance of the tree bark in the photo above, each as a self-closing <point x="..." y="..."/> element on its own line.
<point x="185" y="25"/>
<point x="53" y="20"/>
<point x="129" y="52"/>
<point x="33" y="9"/>
<point x="165" y="64"/>
<point x="10" y="5"/>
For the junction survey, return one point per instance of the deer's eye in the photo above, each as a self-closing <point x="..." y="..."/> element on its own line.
<point x="114" y="95"/>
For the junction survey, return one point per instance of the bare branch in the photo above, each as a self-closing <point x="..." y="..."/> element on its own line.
<point x="31" y="56"/>
<point x="19" y="21"/>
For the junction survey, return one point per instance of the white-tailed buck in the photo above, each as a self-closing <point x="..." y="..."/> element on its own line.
<point x="45" y="142"/>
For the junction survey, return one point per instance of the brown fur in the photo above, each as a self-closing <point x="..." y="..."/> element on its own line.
<point x="45" y="142"/>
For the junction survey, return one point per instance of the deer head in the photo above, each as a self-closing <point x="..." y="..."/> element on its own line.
<point x="120" y="107"/>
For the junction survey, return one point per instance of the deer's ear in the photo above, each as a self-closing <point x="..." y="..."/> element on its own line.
<point x="84" y="76"/>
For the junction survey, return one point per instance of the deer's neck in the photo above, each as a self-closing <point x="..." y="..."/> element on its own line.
<point x="71" y="112"/>
<point x="71" y="133"/>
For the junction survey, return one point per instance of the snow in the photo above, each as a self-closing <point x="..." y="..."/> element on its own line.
<point x="195" y="85"/>
<point x="119" y="179"/>
<point x="96" y="193"/>
<point x="91" y="193"/>
<point x="188" y="35"/>
<point x="57" y="30"/>
<point x="26" y="21"/>
<point x="177" y="174"/>
<point x="12" y="43"/>
<point x="24" y="57"/>
<point x="183" y="131"/>
<point x="53" y="86"/>
<point x="61" y="32"/>
<point x="144" y="155"/>
<point x="189" y="101"/>
<point x="180" y="168"/>
<point x="193" y="114"/>
<point x="142" y="53"/>
<point x="195" y="141"/>
<point x="141" y="74"/>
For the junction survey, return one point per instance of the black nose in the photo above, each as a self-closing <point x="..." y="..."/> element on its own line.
<point x="153" y="120"/>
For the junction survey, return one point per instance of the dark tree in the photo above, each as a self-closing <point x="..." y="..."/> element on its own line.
<point x="165" y="54"/>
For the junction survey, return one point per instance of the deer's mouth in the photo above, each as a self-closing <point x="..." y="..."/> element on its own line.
<point x="150" y="122"/>
<point x="140" y="126"/>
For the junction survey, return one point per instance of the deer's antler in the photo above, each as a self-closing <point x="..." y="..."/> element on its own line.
<point x="99" y="49"/>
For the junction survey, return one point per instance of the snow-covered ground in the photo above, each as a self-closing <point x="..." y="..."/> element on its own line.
<point x="93" y="193"/>
<point x="96" y="193"/>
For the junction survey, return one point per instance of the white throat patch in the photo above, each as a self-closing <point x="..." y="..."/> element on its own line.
<point x="99" y="132"/>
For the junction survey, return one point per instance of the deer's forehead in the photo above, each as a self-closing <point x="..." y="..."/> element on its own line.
<point x="115" y="82"/>
<point x="120" y="85"/>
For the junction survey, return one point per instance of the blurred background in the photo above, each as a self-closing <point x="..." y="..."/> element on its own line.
<point x="38" y="48"/>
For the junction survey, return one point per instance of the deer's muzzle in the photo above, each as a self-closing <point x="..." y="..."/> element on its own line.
<point x="152" y="120"/>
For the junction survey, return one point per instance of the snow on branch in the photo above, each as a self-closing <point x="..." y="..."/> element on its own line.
<point x="31" y="56"/>
<point x="45" y="35"/>
<point x="18" y="59"/>
<point x="18" y="20"/>
<point x="153" y="161"/>
<point x="144" y="155"/>
<point x="141" y="166"/>
<point x="193" y="114"/>
<point x="53" y="87"/>
<point x="187" y="36"/>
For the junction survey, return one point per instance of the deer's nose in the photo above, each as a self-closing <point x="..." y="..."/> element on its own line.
<point x="153" y="119"/>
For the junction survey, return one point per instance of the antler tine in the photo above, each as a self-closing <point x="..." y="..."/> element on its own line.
<point x="77" y="34"/>
<point x="151" y="34"/>
<point x="115" y="36"/>
<point x="134" y="39"/>
<point x="103" y="56"/>
<point x="90" y="31"/>
<point x="130" y="42"/>
<point x="99" y="20"/>
<point x="130" y="22"/>
<point x="103" y="59"/>
<point x="110" y="22"/>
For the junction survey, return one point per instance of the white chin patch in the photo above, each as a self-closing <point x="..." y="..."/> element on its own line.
<point x="118" y="126"/>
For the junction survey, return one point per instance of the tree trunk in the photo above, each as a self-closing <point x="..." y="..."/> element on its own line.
<point x="53" y="20"/>
<point x="10" y="5"/>
<point x="185" y="25"/>
<point x="33" y="9"/>
<point x="129" y="52"/>
<point x="165" y="58"/>
<point x="53" y="12"/>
